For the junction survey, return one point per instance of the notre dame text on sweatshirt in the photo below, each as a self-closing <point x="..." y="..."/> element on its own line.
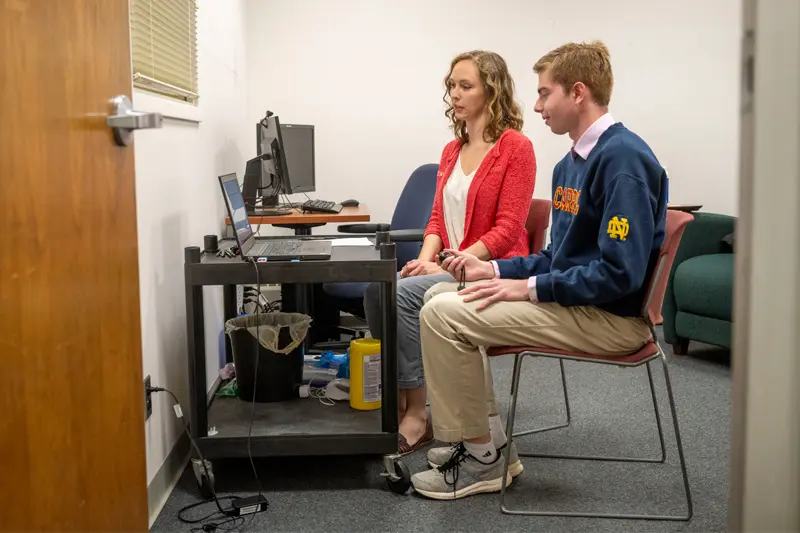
<point x="609" y="220"/>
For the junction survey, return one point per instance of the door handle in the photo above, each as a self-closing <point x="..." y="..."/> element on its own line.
<point x="124" y="120"/>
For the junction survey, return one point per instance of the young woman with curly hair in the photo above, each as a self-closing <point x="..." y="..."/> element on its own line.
<point x="483" y="194"/>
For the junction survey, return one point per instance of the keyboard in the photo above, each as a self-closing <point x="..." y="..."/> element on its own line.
<point x="276" y="248"/>
<point x="321" y="206"/>
<point x="291" y="249"/>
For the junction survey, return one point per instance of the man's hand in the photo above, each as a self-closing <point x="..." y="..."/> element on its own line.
<point x="474" y="268"/>
<point x="415" y="267"/>
<point x="496" y="290"/>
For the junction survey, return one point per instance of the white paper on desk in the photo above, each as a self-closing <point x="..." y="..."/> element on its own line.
<point x="352" y="241"/>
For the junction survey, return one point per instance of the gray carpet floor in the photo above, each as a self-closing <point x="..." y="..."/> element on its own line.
<point x="611" y="415"/>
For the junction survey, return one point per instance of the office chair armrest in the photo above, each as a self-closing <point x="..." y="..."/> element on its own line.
<point x="407" y="235"/>
<point x="362" y="228"/>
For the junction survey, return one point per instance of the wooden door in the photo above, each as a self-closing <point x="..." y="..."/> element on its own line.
<point x="71" y="398"/>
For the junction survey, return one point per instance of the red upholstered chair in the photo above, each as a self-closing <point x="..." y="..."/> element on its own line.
<point x="676" y="223"/>
<point x="537" y="223"/>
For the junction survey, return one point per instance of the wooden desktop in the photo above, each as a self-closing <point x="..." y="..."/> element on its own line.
<point x="686" y="208"/>
<point x="347" y="215"/>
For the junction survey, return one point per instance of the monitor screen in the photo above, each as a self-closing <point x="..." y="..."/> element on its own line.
<point x="298" y="142"/>
<point x="236" y="208"/>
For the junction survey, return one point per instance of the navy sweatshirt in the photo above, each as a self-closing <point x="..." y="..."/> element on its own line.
<point x="609" y="219"/>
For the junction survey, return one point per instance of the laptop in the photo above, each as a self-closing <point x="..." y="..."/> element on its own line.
<point x="272" y="250"/>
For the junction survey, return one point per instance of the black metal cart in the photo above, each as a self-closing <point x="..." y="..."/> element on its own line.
<point x="303" y="426"/>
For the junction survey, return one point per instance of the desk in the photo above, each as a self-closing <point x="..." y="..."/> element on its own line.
<point x="686" y="208"/>
<point x="303" y="222"/>
<point x="301" y="426"/>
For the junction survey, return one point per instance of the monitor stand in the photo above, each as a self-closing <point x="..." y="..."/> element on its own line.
<point x="268" y="208"/>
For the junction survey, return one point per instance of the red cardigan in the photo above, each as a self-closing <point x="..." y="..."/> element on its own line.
<point x="505" y="181"/>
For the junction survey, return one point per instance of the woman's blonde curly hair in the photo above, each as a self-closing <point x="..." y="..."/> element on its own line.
<point x="504" y="112"/>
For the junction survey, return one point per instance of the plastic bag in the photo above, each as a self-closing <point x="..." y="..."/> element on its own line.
<point x="229" y="389"/>
<point x="267" y="328"/>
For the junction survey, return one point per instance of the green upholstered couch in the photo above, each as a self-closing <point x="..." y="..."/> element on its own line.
<point x="698" y="303"/>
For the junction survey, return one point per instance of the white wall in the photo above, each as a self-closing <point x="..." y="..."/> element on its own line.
<point x="178" y="202"/>
<point x="368" y="74"/>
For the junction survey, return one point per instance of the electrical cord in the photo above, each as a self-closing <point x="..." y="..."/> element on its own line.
<point x="255" y="300"/>
<point x="209" y="516"/>
<point x="255" y="382"/>
<point x="202" y="461"/>
<point x="288" y="200"/>
<point x="220" y="512"/>
<point x="270" y="307"/>
<point x="213" y="526"/>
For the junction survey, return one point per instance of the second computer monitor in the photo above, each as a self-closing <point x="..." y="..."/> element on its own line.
<point x="298" y="144"/>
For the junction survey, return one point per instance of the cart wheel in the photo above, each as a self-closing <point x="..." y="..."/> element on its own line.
<point x="401" y="481"/>
<point x="205" y="483"/>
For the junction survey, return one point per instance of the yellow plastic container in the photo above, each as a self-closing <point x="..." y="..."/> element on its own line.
<point x="365" y="374"/>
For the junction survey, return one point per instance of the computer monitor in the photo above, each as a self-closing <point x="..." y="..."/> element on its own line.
<point x="275" y="178"/>
<point x="298" y="143"/>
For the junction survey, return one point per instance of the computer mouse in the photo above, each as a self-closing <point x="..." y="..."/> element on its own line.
<point x="350" y="203"/>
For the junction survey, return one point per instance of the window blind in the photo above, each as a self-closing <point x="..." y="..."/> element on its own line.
<point x="164" y="47"/>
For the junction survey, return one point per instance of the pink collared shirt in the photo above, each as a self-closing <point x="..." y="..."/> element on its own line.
<point x="582" y="148"/>
<point x="589" y="139"/>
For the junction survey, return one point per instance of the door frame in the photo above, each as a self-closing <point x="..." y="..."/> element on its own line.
<point x="765" y="431"/>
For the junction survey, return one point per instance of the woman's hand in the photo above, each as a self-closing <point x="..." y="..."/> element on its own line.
<point x="415" y="267"/>
<point x="474" y="268"/>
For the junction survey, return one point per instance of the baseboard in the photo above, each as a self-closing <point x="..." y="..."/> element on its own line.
<point x="167" y="477"/>
<point x="162" y="485"/>
<point x="213" y="390"/>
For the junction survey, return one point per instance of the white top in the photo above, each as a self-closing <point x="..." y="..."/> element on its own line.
<point x="455" y="203"/>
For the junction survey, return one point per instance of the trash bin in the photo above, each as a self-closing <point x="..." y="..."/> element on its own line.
<point x="276" y="337"/>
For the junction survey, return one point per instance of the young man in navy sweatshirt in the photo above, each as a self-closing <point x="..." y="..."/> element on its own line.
<point x="583" y="293"/>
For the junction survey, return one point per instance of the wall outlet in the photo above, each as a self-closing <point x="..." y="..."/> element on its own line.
<point x="148" y="399"/>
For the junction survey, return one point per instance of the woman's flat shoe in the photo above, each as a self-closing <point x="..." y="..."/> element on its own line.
<point x="404" y="448"/>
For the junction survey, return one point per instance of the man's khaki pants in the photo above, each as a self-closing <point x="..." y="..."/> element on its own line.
<point x="459" y="377"/>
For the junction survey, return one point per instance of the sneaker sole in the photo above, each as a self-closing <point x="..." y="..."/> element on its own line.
<point x="514" y="469"/>
<point x="482" y="487"/>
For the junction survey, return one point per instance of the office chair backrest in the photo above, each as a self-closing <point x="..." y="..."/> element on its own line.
<point x="413" y="209"/>
<point x="537" y="223"/>
<point x="676" y="224"/>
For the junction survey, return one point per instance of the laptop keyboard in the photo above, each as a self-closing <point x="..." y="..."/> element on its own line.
<point x="276" y="248"/>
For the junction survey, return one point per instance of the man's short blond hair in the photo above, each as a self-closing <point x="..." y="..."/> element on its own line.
<point x="588" y="63"/>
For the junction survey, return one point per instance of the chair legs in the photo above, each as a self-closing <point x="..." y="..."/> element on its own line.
<point x="678" y="439"/>
<point x="659" y="459"/>
<point x="510" y="432"/>
<point x="566" y="404"/>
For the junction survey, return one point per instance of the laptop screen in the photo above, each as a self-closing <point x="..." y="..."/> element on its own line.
<point x="236" y="208"/>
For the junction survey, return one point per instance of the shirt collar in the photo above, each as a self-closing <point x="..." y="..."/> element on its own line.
<point x="589" y="139"/>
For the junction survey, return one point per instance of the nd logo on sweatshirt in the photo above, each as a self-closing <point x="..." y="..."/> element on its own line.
<point x="618" y="228"/>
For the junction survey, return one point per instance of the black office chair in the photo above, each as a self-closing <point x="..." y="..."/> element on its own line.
<point x="407" y="228"/>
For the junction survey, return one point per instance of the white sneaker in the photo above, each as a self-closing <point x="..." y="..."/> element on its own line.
<point x="438" y="456"/>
